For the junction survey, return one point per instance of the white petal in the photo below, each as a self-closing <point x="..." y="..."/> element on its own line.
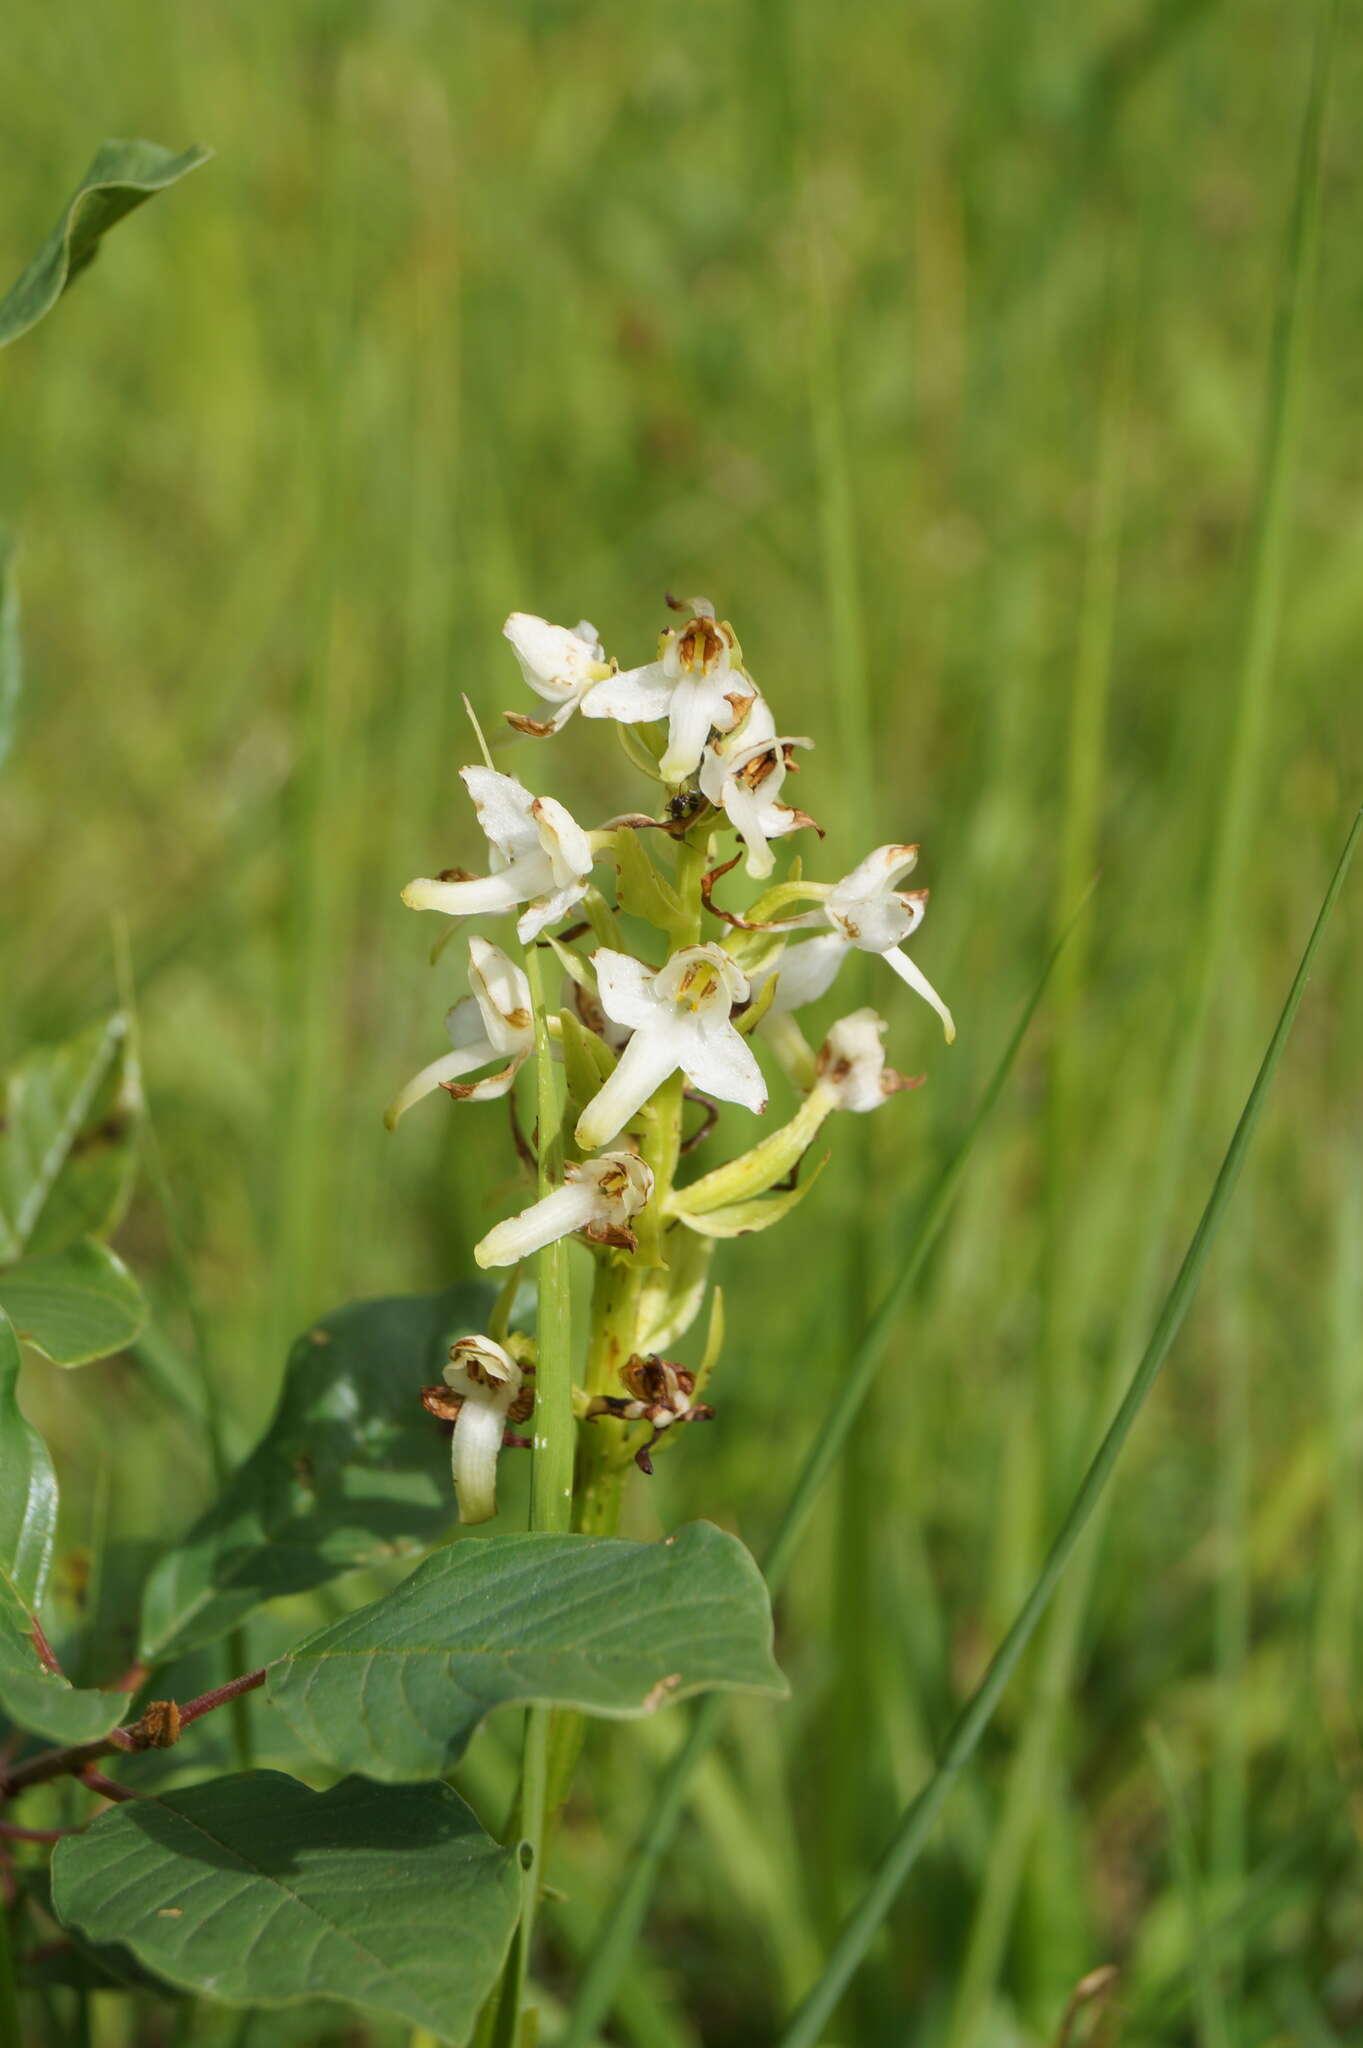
<point x="643" y="1066"/>
<point x="563" y="840"/>
<point x="747" y="812"/>
<point x="634" y="696"/>
<point x="474" y="1450"/>
<point x="852" y="1061"/>
<point x="879" y="871"/>
<point x="493" y="1086"/>
<point x="625" y="987"/>
<point x="504" y="810"/>
<point x="557" y="1215"/>
<point x="808" y="970"/>
<point x="555" y="662"/>
<point x="873" y="922"/>
<point x="502" y="994"/>
<point x="447" y="1068"/>
<point x="906" y="971"/>
<point x="586" y="632"/>
<point x="718" y="1062"/>
<point x="481" y="894"/>
<point x="695" y="707"/>
<point x="731" y="983"/>
<point x="550" y="908"/>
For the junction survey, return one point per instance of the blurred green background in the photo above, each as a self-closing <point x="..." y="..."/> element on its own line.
<point x="933" y="344"/>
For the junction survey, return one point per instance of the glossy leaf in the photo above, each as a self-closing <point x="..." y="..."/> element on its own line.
<point x="11" y="648"/>
<point x="31" y="1696"/>
<point x="257" y="1891"/>
<point x="67" y="1141"/>
<point x="608" y="1627"/>
<point x="75" y="1305"/>
<point x="122" y="176"/>
<point x="350" y="1471"/>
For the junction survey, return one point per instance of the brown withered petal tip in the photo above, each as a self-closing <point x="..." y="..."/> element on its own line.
<point x="534" y="728"/>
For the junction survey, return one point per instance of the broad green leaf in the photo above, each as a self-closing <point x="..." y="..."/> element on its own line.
<point x="643" y="891"/>
<point x="11" y="648"/>
<point x="67" y="1149"/>
<point x="588" y="1061"/>
<point x="122" y="175"/>
<point x="74" y="1305"/>
<point x="30" y="1695"/>
<point x="351" y="1471"/>
<point x="592" y="1622"/>
<point x="257" y="1891"/>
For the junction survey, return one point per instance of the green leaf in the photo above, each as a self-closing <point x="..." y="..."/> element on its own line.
<point x="351" y="1471"/>
<point x="608" y="1627"/>
<point x="122" y="175"/>
<point x="32" y="1696"/>
<point x="643" y="891"/>
<point x="588" y="1061"/>
<point x="74" y="1305"/>
<point x="67" y="1141"/>
<point x="257" y="1891"/>
<point x="11" y="648"/>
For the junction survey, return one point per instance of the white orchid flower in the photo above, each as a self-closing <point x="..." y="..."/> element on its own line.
<point x="560" y="665"/>
<point x="539" y="856"/>
<point x="494" y="1022"/>
<point x="851" y="1067"/>
<point x="489" y="1383"/>
<point x="692" y="684"/>
<point x="678" y="1017"/>
<point x="598" y="1198"/>
<point x="742" y="772"/>
<point x="865" y="911"/>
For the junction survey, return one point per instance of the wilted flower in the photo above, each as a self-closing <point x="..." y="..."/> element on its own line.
<point x="598" y="1198"/>
<point x="540" y="857"/>
<point x="489" y="1384"/>
<point x="678" y="1017"/>
<point x="865" y="910"/>
<point x="560" y="665"/>
<point x="692" y="684"/>
<point x="658" y="1391"/>
<point x="493" y="1022"/>
<point x="742" y="773"/>
<point x="851" y="1064"/>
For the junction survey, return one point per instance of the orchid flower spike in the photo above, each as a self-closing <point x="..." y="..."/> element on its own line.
<point x="489" y="1383"/>
<point x="679" y="1017"/>
<point x="851" y="1064"/>
<point x="493" y="1022"/>
<point x="865" y="911"/>
<point x="539" y="856"/>
<point x="598" y="1198"/>
<point x="560" y="665"/>
<point x="742" y="773"/>
<point x="693" y="684"/>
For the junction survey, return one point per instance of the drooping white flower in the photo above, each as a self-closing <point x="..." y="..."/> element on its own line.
<point x="559" y="664"/>
<point x="488" y="1382"/>
<point x="741" y="773"/>
<point x="678" y="1017"/>
<point x="865" y="911"/>
<point x="598" y="1198"/>
<point x="539" y="856"/>
<point x="692" y="684"/>
<point x="493" y="1022"/>
<point x="851" y="1064"/>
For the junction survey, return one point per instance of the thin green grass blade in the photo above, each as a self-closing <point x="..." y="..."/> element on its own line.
<point x="624" y="1916"/>
<point x="1029" y="1776"/>
<point x="1213" y="2025"/>
<point x="917" y="1822"/>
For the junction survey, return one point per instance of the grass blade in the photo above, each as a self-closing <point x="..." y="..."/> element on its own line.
<point x="624" y="1915"/>
<point x="917" y="1822"/>
<point x="1213" y="2026"/>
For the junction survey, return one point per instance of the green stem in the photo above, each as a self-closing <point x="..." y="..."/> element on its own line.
<point x="551" y="1501"/>
<point x="620" y="1925"/>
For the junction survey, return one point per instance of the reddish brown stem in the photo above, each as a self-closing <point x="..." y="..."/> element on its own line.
<point x="157" y="1728"/>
